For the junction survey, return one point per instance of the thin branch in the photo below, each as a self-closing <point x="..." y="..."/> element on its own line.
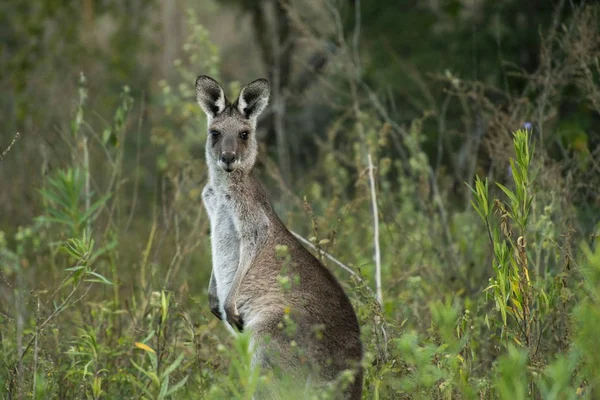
<point x="36" y="349"/>
<point x="86" y="169"/>
<point x="5" y="152"/>
<point x="356" y="34"/>
<point x="377" y="255"/>
<point x="442" y="131"/>
<point x="335" y="260"/>
<point x="136" y="183"/>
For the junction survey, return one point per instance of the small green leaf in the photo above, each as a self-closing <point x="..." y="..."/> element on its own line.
<point x="153" y="377"/>
<point x="100" y="279"/>
<point x="511" y="196"/>
<point x="93" y="208"/>
<point x="164" y="387"/>
<point x="164" y="306"/>
<point x="141" y="386"/>
<point x="177" y="386"/>
<point x="172" y="367"/>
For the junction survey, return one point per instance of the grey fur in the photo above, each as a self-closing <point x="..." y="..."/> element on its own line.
<point x="245" y="288"/>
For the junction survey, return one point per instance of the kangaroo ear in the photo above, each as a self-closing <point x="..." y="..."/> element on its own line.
<point x="253" y="98"/>
<point x="210" y="96"/>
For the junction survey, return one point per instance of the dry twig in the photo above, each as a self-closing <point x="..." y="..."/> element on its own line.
<point x="377" y="255"/>
<point x="5" y="152"/>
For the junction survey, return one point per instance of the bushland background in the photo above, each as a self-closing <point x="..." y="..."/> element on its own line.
<point x="383" y="115"/>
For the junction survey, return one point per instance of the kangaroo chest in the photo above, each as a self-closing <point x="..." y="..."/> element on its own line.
<point x="225" y="243"/>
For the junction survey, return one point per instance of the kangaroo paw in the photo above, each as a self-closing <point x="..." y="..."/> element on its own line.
<point x="233" y="318"/>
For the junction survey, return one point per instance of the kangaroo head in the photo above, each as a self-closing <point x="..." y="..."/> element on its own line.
<point x="231" y="143"/>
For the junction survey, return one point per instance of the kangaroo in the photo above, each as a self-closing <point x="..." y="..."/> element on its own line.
<point x="245" y="288"/>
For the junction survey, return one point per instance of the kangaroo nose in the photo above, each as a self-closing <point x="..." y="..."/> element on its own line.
<point x="228" y="157"/>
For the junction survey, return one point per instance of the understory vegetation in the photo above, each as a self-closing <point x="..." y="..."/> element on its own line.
<point x="461" y="213"/>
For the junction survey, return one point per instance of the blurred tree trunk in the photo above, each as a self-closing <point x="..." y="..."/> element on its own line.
<point x="283" y="44"/>
<point x="171" y="22"/>
<point x="276" y="40"/>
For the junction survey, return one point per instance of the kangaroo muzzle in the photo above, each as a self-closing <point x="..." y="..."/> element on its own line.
<point x="228" y="160"/>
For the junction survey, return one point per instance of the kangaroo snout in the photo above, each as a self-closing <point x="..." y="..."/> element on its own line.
<point x="227" y="159"/>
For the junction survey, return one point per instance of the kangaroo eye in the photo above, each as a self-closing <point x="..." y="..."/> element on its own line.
<point x="213" y="133"/>
<point x="244" y="135"/>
